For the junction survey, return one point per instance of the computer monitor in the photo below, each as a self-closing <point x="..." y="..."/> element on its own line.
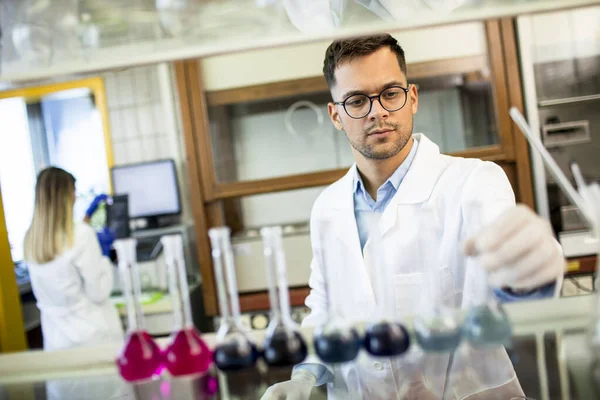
<point x="151" y="188"/>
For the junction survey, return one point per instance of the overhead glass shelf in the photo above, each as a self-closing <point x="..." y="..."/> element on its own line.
<point x="42" y="38"/>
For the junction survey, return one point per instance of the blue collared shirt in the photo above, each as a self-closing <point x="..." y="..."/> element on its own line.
<point x="365" y="208"/>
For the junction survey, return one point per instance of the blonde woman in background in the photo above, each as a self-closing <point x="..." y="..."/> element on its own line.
<point x="70" y="277"/>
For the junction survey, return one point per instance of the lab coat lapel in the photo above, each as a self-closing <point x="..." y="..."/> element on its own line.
<point x="347" y="232"/>
<point x="418" y="183"/>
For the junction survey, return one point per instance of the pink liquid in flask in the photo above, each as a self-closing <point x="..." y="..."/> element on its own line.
<point x="140" y="358"/>
<point x="187" y="354"/>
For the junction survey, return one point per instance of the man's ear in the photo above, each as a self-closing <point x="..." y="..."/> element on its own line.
<point x="414" y="98"/>
<point x="334" y="115"/>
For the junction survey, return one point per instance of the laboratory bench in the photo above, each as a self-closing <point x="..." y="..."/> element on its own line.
<point x="549" y="353"/>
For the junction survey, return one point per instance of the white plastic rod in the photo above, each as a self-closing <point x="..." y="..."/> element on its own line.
<point x="554" y="169"/>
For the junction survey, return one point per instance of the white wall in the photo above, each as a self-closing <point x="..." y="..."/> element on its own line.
<point x="303" y="61"/>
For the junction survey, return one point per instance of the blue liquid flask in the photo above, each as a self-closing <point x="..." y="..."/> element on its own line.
<point x="437" y="327"/>
<point x="284" y="346"/>
<point x="335" y="341"/>
<point x="383" y="336"/>
<point x="234" y="350"/>
<point x="486" y="323"/>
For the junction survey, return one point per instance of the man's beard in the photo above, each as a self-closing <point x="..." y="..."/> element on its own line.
<point x="372" y="152"/>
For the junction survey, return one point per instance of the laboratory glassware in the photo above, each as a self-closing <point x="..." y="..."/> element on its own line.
<point x="283" y="345"/>
<point x="234" y="349"/>
<point x="383" y="337"/>
<point x="140" y="358"/>
<point x="437" y="327"/>
<point x="187" y="353"/>
<point x="486" y="322"/>
<point x="335" y="341"/>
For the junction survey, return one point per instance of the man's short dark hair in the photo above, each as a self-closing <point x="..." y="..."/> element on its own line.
<point x="342" y="51"/>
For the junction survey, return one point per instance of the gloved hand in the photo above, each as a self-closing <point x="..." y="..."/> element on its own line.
<point x="518" y="250"/>
<point x="297" y="388"/>
<point x="106" y="238"/>
<point x="95" y="203"/>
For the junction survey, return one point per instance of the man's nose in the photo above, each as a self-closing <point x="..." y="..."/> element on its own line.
<point x="377" y="110"/>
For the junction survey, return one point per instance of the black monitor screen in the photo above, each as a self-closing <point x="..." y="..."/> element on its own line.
<point x="151" y="188"/>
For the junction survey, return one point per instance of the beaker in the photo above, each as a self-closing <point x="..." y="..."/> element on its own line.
<point x="436" y="327"/>
<point x="383" y="337"/>
<point x="187" y="353"/>
<point x="140" y="358"/>
<point x="486" y="322"/>
<point x="234" y="349"/>
<point x="284" y="346"/>
<point x="335" y="341"/>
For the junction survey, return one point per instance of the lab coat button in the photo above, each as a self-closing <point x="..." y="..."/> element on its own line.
<point x="378" y="366"/>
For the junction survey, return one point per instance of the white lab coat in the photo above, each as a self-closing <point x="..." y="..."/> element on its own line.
<point x="72" y="293"/>
<point x="446" y="184"/>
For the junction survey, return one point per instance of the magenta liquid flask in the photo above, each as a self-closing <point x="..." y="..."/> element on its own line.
<point x="234" y="350"/>
<point x="186" y="354"/>
<point x="284" y="346"/>
<point x="140" y="358"/>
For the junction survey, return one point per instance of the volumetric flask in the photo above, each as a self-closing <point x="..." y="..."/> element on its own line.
<point x="234" y="350"/>
<point x="335" y="341"/>
<point x="383" y="337"/>
<point x="437" y="328"/>
<point x="186" y="354"/>
<point x="486" y="323"/>
<point x="140" y="358"/>
<point x="284" y="346"/>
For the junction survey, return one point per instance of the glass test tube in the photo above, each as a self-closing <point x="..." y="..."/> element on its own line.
<point x="437" y="328"/>
<point x="335" y="341"/>
<point x="140" y="357"/>
<point x="486" y="323"/>
<point x="234" y="349"/>
<point x="284" y="345"/>
<point x="187" y="353"/>
<point x="383" y="337"/>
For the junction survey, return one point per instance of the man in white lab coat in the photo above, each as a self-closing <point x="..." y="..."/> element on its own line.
<point x="396" y="173"/>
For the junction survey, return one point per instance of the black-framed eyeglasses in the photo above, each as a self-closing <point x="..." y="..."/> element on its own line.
<point x="359" y="106"/>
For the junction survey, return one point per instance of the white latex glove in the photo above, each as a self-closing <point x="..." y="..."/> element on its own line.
<point x="297" y="388"/>
<point x="518" y="250"/>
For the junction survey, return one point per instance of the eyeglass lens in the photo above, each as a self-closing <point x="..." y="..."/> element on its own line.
<point x="359" y="105"/>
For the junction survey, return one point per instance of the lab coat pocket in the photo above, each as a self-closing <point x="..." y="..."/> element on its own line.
<point x="411" y="293"/>
<point x="414" y="293"/>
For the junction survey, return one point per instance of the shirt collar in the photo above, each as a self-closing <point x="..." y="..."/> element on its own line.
<point x="398" y="174"/>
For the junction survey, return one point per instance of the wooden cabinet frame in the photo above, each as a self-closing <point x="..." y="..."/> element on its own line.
<point x="213" y="201"/>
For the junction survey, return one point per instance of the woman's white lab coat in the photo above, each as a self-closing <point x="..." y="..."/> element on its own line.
<point x="72" y="293"/>
<point x="447" y="184"/>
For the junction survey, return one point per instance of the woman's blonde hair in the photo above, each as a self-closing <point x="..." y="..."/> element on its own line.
<point x="52" y="226"/>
